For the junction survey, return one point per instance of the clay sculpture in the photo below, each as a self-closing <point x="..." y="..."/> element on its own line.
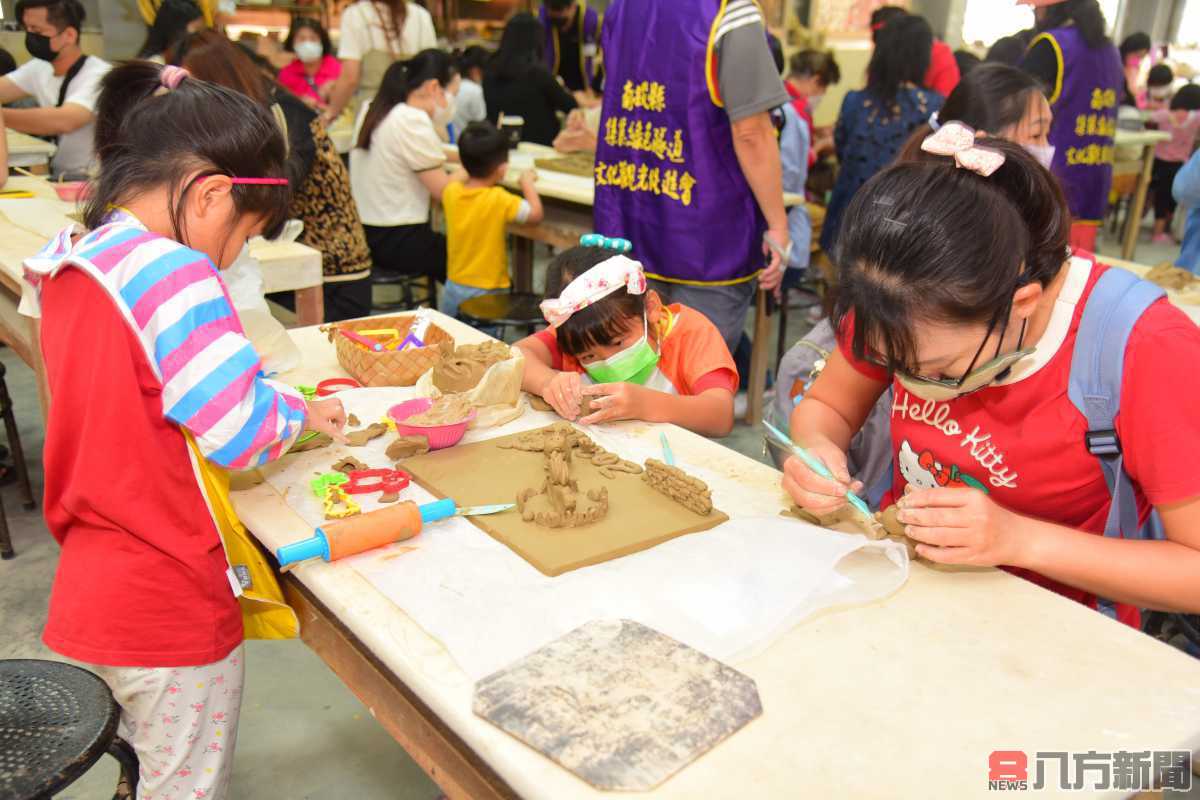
<point x="360" y="437"/>
<point x="485" y="353"/>
<point x="691" y="493"/>
<point x="407" y="447"/>
<point x="349" y="464"/>
<point x="457" y="375"/>
<point x="559" y="503"/>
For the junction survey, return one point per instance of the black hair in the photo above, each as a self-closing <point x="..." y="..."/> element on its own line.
<point x="62" y="14"/>
<point x="966" y="61"/>
<point x="1187" y="98"/>
<point x="816" y="63"/>
<point x="901" y="55"/>
<point x="474" y="57"/>
<point x="926" y="241"/>
<point x="169" y="28"/>
<point x="402" y="79"/>
<point x="776" y="48"/>
<point x="307" y="23"/>
<point x="1087" y="17"/>
<point x="990" y="98"/>
<point x="149" y="137"/>
<point x="482" y="147"/>
<point x="7" y="62"/>
<point x="601" y="323"/>
<point x="520" y="49"/>
<point x="1010" y="49"/>
<point x="1160" y="75"/>
<point x="1134" y="43"/>
<point x="884" y="16"/>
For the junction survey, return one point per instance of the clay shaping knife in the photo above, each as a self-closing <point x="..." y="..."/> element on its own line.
<point x="817" y="466"/>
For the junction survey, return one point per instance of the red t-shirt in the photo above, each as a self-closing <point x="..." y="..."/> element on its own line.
<point x="942" y="75"/>
<point x="692" y="354"/>
<point x="800" y="103"/>
<point x="142" y="575"/>
<point x="1023" y="441"/>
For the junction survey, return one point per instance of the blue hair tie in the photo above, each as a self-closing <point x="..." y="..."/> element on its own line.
<point x="621" y="246"/>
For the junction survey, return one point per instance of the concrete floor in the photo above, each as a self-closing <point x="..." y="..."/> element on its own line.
<point x="302" y="734"/>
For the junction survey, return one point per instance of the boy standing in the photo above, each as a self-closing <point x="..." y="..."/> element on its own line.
<point x="477" y="212"/>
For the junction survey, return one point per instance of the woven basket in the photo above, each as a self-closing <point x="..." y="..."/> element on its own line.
<point x="390" y="367"/>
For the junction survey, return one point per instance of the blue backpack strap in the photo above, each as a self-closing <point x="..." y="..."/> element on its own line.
<point x="1114" y="306"/>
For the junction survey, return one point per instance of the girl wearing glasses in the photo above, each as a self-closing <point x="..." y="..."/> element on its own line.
<point x="957" y="286"/>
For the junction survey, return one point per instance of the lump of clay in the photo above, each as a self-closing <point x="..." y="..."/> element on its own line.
<point x="349" y="464"/>
<point x="1169" y="276"/>
<point x="446" y="410"/>
<point x="360" y="437"/>
<point x="407" y="447"/>
<point x="889" y="519"/>
<point x="586" y="406"/>
<point x="691" y="493"/>
<point x="457" y="375"/>
<point x="320" y="440"/>
<point x="484" y="353"/>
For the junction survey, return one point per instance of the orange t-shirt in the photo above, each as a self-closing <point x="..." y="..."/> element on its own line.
<point x="691" y="352"/>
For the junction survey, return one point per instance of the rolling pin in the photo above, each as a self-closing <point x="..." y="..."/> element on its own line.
<point x="347" y="537"/>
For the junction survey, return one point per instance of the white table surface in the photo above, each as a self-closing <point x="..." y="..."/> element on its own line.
<point x="28" y="151"/>
<point x="906" y="697"/>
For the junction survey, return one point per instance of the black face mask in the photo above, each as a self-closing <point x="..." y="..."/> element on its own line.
<point x="39" y="46"/>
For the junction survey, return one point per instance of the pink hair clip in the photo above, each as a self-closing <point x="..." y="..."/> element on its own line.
<point x="171" y="76"/>
<point x="958" y="140"/>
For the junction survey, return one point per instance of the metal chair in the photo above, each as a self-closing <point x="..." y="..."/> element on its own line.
<point x="414" y="290"/>
<point x="56" y="721"/>
<point x="500" y="311"/>
<point x="14" y="446"/>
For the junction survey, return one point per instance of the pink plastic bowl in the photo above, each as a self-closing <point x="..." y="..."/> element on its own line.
<point x="72" y="191"/>
<point x="439" y="436"/>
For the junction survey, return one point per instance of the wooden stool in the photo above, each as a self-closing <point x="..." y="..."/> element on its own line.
<point x="14" y="446"/>
<point x="516" y="309"/>
<point x="56" y="720"/>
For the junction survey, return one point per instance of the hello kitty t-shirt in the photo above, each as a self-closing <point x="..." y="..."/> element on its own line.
<point x="1022" y="440"/>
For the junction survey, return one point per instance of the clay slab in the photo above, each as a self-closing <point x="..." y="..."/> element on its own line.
<point x="482" y="473"/>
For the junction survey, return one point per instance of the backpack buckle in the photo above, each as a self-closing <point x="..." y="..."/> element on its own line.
<point x="1103" y="442"/>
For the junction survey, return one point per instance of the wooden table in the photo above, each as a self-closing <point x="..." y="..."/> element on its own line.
<point x="28" y="151"/>
<point x="906" y="697"/>
<point x="1133" y="222"/>
<point x="286" y="266"/>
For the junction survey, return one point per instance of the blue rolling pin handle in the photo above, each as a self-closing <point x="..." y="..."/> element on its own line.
<point x="442" y="509"/>
<point x="314" y="546"/>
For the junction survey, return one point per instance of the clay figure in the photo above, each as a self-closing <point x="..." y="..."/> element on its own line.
<point x="407" y="447"/>
<point x="676" y="484"/>
<point x="349" y="464"/>
<point x="557" y="504"/>
<point x="353" y="421"/>
<point x="360" y="437"/>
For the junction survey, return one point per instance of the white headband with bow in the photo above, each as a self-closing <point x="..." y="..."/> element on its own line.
<point x="594" y="285"/>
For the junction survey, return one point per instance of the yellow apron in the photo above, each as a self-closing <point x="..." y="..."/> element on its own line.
<point x="265" y="614"/>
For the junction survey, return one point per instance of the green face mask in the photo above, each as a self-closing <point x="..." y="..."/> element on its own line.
<point x="634" y="364"/>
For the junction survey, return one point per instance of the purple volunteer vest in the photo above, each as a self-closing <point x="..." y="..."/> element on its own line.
<point x="667" y="177"/>
<point x="1085" y="119"/>
<point x="589" y="34"/>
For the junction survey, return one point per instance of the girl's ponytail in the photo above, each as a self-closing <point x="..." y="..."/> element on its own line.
<point x="402" y="79"/>
<point x="123" y="88"/>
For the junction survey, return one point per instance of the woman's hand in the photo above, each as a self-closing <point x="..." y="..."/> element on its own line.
<point x="616" y="401"/>
<point x="961" y="526"/>
<point x="563" y="393"/>
<point x="327" y="417"/>
<point x="814" y="494"/>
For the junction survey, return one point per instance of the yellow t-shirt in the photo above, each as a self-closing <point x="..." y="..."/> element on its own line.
<point x="475" y="238"/>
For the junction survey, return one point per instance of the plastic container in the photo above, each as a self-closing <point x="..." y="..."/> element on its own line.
<point x="72" y="191"/>
<point x="439" y="436"/>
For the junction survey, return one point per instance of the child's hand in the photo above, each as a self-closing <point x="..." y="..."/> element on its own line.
<point x="616" y="401"/>
<point x="528" y="178"/>
<point x="327" y="417"/>
<point x="814" y="494"/>
<point x="961" y="526"/>
<point x="563" y="393"/>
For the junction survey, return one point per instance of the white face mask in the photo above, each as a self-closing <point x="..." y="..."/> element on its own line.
<point x="309" y="51"/>
<point x="1044" y="153"/>
<point x="814" y="101"/>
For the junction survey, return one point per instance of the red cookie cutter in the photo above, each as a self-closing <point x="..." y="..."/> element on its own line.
<point x="334" y="385"/>
<point x="388" y="481"/>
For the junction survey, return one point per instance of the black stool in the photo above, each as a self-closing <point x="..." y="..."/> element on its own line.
<point x="809" y="285"/>
<point x="56" y="720"/>
<point x="414" y="290"/>
<point x="516" y="309"/>
<point x="14" y="445"/>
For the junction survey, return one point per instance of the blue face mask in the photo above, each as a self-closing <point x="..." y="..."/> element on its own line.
<point x="634" y="364"/>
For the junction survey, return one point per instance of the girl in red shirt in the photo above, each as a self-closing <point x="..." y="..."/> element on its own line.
<point x="614" y="342"/>
<point x="958" y="288"/>
<point x="155" y="388"/>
